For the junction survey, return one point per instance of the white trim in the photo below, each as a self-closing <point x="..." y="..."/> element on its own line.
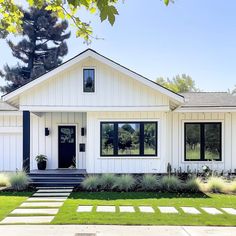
<point x="206" y="109"/>
<point x="76" y="139"/>
<point x="202" y="121"/>
<point x="89" y="53"/>
<point x="10" y="113"/>
<point x="164" y="108"/>
<point x="174" y="96"/>
<point x="11" y="130"/>
<point x="95" y="80"/>
<point x="131" y="120"/>
<point x="48" y="75"/>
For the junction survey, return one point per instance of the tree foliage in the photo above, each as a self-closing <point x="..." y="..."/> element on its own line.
<point x="233" y="90"/>
<point x="179" y="84"/>
<point x="40" y="50"/>
<point x="11" y="14"/>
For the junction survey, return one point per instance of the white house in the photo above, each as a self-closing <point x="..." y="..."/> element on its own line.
<point x="95" y="114"/>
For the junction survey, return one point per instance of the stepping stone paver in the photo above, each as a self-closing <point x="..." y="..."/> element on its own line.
<point x="212" y="210"/>
<point x="41" y="204"/>
<point x="51" y="194"/>
<point x="84" y="208"/>
<point x="191" y="210"/>
<point x="27" y="220"/>
<point x="127" y="209"/>
<point x="230" y="211"/>
<point x="46" y="199"/>
<point x="106" y="209"/>
<point x="54" y="190"/>
<point x="47" y="211"/>
<point x="146" y="209"/>
<point x="171" y="210"/>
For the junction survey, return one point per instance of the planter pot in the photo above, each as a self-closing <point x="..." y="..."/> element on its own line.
<point x="42" y="165"/>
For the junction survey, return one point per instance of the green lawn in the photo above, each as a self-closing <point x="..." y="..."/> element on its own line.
<point x="68" y="214"/>
<point x="10" y="200"/>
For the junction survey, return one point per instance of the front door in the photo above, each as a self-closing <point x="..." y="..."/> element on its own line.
<point x="67" y="146"/>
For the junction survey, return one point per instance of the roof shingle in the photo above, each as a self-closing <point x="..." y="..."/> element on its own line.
<point x="209" y="99"/>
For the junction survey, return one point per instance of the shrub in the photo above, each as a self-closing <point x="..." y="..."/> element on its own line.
<point x="233" y="186"/>
<point x="192" y="185"/>
<point x="4" y="180"/>
<point x="124" y="183"/>
<point x="91" y="183"/>
<point x="170" y="183"/>
<point x="107" y="181"/>
<point x="149" y="182"/>
<point x="216" y="185"/>
<point x="19" y="181"/>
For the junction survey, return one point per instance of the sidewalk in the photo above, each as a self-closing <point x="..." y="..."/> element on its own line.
<point x="111" y="230"/>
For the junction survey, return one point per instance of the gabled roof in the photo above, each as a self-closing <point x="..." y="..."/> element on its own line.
<point x="91" y="53"/>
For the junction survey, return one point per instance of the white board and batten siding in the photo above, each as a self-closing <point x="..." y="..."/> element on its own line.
<point x="113" y="89"/>
<point x="97" y="164"/>
<point x="48" y="145"/>
<point x="10" y="141"/>
<point x="228" y="121"/>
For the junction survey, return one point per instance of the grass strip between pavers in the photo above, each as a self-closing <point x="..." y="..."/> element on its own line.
<point x="10" y="201"/>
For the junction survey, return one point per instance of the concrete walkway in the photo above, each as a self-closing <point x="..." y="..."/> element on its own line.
<point x="112" y="230"/>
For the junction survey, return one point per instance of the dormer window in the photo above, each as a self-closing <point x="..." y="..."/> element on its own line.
<point x="88" y="80"/>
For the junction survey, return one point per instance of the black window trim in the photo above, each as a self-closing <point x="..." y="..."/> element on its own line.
<point x="89" y="68"/>
<point x="141" y="137"/>
<point x="202" y="140"/>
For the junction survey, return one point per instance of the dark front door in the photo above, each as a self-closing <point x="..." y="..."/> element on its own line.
<point x="66" y="146"/>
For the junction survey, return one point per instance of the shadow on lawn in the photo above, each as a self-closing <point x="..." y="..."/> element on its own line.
<point x="133" y="195"/>
<point x="15" y="193"/>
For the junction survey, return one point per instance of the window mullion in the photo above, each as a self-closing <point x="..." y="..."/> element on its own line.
<point x="141" y="139"/>
<point x="202" y="142"/>
<point x="115" y="139"/>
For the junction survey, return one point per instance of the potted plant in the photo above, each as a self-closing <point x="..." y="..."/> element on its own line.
<point x="41" y="161"/>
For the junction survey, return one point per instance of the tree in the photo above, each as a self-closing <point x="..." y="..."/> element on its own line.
<point x="179" y="84"/>
<point x="232" y="91"/>
<point x="11" y="15"/>
<point x="41" y="48"/>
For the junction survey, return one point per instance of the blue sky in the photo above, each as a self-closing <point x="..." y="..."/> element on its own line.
<point x="196" y="37"/>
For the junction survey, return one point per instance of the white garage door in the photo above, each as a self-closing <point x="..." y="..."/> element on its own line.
<point x="10" y="151"/>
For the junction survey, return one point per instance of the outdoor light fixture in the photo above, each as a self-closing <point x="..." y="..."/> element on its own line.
<point x="82" y="131"/>
<point x="46" y="131"/>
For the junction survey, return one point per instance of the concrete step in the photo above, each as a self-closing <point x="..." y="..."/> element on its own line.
<point x="48" y="188"/>
<point x="54" y="184"/>
<point x="56" y="180"/>
<point x="55" y="175"/>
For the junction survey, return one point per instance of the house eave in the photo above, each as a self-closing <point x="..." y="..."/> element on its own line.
<point x="206" y="109"/>
<point x="164" y="108"/>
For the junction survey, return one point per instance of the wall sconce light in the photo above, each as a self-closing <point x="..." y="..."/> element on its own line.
<point x="47" y="131"/>
<point x="82" y="131"/>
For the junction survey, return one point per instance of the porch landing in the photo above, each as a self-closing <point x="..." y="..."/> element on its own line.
<point x="59" y="171"/>
<point x="57" y="177"/>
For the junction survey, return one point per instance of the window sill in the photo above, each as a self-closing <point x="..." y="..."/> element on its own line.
<point x="128" y="157"/>
<point x="203" y="162"/>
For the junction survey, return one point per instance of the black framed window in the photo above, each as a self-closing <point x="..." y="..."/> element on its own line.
<point x="203" y="141"/>
<point x="128" y="138"/>
<point x="89" y="80"/>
